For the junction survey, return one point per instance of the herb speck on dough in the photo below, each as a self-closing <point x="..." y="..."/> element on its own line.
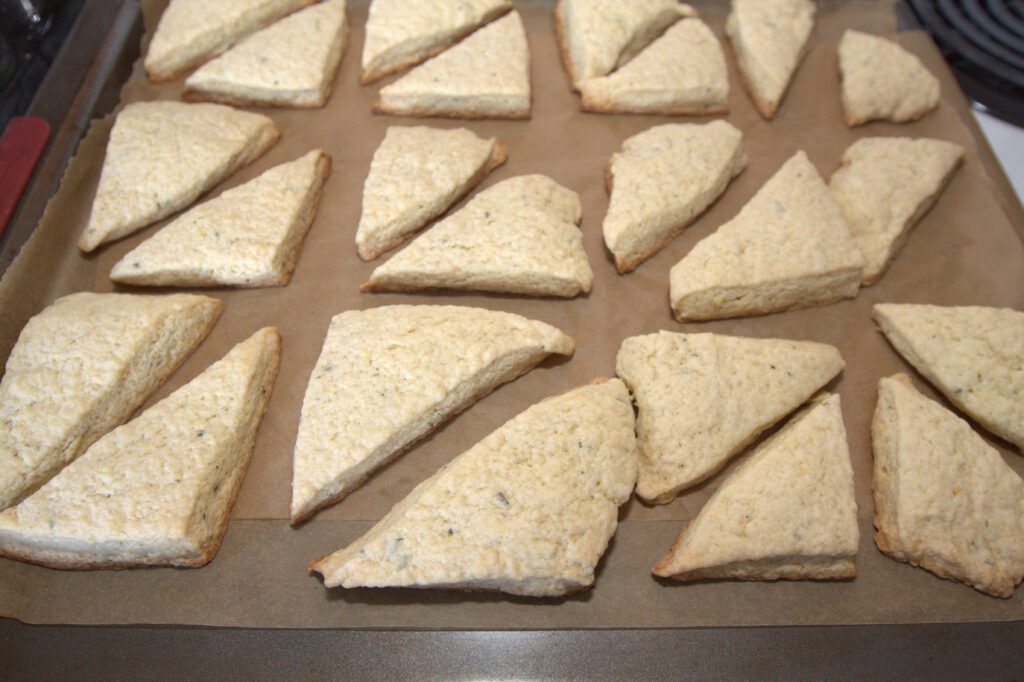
<point x="501" y="500"/>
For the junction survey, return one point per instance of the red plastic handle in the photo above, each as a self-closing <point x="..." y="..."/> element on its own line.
<point x="21" y="145"/>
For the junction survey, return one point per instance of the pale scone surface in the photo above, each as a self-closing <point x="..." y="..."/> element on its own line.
<point x="486" y="75"/>
<point x="528" y="510"/>
<point x="770" y="38"/>
<point x="415" y="175"/>
<point x="787" y="508"/>
<point x="661" y="180"/>
<point x="602" y="35"/>
<point x="944" y="499"/>
<point x="156" y="491"/>
<point x="973" y="354"/>
<point x="682" y="72"/>
<point x="291" y="62"/>
<point x="192" y="31"/>
<point x="881" y="80"/>
<point x="387" y="376"/>
<point x="518" y="236"/>
<point x="404" y="32"/>
<point x="884" y="186"/>
<point x="162" y="155"/>
<point x="701" y="398"/>
<point x="80" y="368"/>
<point x="788" y="247"/>
<point x="246" y="236"/>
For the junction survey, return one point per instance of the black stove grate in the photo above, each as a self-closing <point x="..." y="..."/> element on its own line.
<point x="983" y="42"/>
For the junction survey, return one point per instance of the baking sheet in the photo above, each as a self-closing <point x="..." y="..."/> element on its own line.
<point x="965" y="251"/>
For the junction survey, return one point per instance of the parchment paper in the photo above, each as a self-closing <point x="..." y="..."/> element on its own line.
<point x="965" y="251"/>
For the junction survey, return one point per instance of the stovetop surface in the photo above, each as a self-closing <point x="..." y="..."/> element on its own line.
<point x="983" y="42"/>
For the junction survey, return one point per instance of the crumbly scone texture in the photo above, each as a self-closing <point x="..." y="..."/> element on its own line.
<point x="80" y="368"/>
<point x="416" y="174"/>
<point x="770" y="39"/>
<point x="192" y="31"/>
<point x="595" y="37"/>
<point x="662" y="180"/>
<point x="881" y="80"/>
<point x="944" y="498"/>
<point x="788" y="248"/>
<point x="885" y="185"/>
<point x="400" y="33"/>
<point x="248" y="236"/>
<point x="973" y="354"/>
<point x="162" y="156"/>
<point x="519" y="236"/>
<point x="528" y="510"/>
<point x="388" y="376"/>
<point x="158" y="490"/>
<point x="787" y="513"/>
<point x="291" y="63"/>
<point x="487" y="75"/>
<point x="682" y="72"/>
<point x="702" y="398"/>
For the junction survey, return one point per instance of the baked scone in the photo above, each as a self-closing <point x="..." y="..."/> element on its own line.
<point x="291" y="63"/>
<point x="519" y="236"/>
<point x="662" y="180"/>
<point x="702" y="398"/>
<point x="885" y="185"/>
<point x="787" y="513"/>
<point x="974" y="355"/>
<point x="487" y="75"/>
<point x="944" y="498"/>
<point x="162" y="156"/>
<point x="388" y="376"/>
<point x="80" y="368"/>
<point x="156" y="491"/>
<point x="400" y="33"/>
<point x="595" y="37"/>
<point x="192" y="31"/>
<point x="248" y="236"/>
<point x="881" y="80"/>
<point x="528" y="510"/>
<point x="682" y="72"/>
<point x="788" y="248"/>
<point x="770" y="39"/>
<point x="416" y="174"/>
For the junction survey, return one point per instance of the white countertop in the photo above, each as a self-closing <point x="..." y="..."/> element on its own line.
<point x="1007" y="141"/>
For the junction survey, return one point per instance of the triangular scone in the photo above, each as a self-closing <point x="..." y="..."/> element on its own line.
<point x="192" y="31"/>
<point x="290" y="63"/>
<point x="248" y="236"/>
<point x="881" y="80"/>
<point x="400" y="33"/>
<point x="487" y="75"/>
<point x="162" y="156"/>
<point x="944" y="498"/>
<point x="519" y="236"/>
<point x="702" y="398"/>
<point x="416" y="174"/>
<point x="973" y="354"/>
<point x="788" y="248"/>
<point x="528" y="510"/>
<point x="662" y="180"/>
<point x="158" y="490"/>
<point x="80" y="368"/>
<point x="770" y="39"/>
<point x="595" y="37"/>
<point x="787" y="513"/>
<point x="388" y="376"/>
<point x="682" y="72"/>
<point x="884" y="187"/>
